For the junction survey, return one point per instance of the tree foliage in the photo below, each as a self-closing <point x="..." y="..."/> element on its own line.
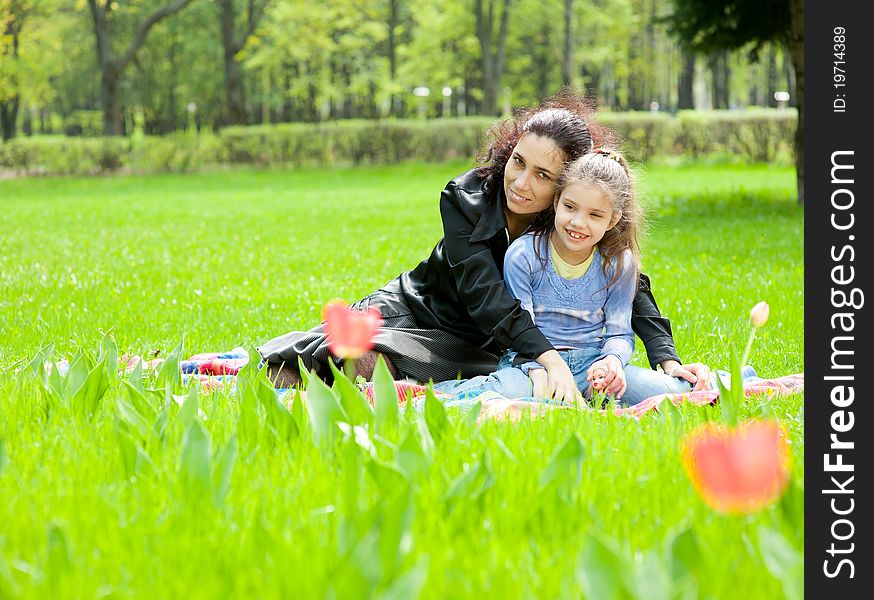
<point x="259" y="61"/>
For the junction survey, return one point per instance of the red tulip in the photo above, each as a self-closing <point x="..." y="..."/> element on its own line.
<point x="350" y="332"/>
<point x="740" y="469"/>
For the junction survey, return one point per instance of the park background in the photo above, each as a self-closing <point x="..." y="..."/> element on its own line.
<point x="215" y="172"/>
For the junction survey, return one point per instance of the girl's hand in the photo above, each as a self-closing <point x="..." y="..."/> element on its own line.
<point x="540" y="381"/>
<point x="561" y="386"/>
<point x="608" y="376"/>
<point x="698" y="374"/>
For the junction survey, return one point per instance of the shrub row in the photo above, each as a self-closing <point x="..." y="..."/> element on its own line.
<point x="745" y="136"/>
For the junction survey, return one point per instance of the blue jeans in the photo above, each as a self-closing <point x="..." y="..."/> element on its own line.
<point x="512" y="382"/>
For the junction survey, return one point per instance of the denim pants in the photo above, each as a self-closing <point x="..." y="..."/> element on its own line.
<point x="641" y="383"/>
<point x="512" y="382"/>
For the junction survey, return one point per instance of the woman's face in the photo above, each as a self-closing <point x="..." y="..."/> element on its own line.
<point x="531" y="174"/>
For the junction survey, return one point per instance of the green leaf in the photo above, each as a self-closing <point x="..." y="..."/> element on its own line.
<point x="109" y="357"/>
<point x="88" y="396"/>
<point x="134" y="457"/>
<point x="385" y="398"/>
<point x="783" y="561"/>
<point x="472" y="483"/>
<point x="135" y="379"/>
<point x="601" y="572"/>
<point x="2" y="455"/>
<point x="130" y="415"/>
<point x="304" y="373"/>
<point x="394" y="525"/>
<point x="388" y="477"/>
<point x="685" y="555"/>
<point x="565" y="465"/>
<point x="137" y="399"/>
<point x="169" y="374"/>
<point x="59" y="558"/>
<point x="279" y="420"/>
<point x="652" y="577"/>
<point x="188" y="411"/>
<point x="36" y="367"/>
<point x="159" y="426"/>
<point x="354" y="404"/>
<point x="127" y="447"/>
<point x="249" y="422"/>
<point x="249" y="372"/>
<point x="297" y="410"/>
<point x="222" y="469"/>
<point x="352" y="473"/>
<point x="194" y="468"/>
<point x="410" y="457"/>
<point x="409" y="584"/>
<point x="435" y="415"/>
<point x="324" y="410"/>
<point x="670" y="413"/>
<point x="75" y="378"/>
<point x="55" y="395"/>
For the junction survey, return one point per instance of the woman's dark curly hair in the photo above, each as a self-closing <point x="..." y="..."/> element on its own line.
<point x="567" y="118"/>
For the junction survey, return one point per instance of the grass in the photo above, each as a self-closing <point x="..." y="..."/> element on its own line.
<point x="228" y="259"/>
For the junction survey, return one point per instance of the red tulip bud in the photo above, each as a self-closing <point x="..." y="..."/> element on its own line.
<point x="741" y="469"/>
<point x="350" y="332"/>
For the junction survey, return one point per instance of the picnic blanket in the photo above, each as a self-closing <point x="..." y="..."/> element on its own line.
<point x="218" y="371"/>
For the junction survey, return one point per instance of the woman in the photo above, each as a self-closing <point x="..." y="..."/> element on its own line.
<point x="452" y="315"/>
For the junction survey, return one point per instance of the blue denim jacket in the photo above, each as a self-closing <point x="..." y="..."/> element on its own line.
<point x="573" y="313"/>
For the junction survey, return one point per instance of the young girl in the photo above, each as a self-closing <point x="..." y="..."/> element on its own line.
<point x="577" y="278"/>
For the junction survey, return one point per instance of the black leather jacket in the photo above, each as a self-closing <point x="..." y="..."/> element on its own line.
<point x="460" y="287"/>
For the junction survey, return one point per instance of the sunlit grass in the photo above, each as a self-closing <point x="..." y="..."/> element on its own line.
<point x="235" y="258"/>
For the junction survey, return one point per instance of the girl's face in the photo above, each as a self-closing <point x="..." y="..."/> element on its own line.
<point x="530" y="176"/>
<point x="583" y="214"/>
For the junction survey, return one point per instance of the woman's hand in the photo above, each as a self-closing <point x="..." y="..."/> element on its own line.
<point x="608" y="376"/>
<point x="698" y="374"/>
<point x="540" y="381"/>
<point x="562" y="386"/>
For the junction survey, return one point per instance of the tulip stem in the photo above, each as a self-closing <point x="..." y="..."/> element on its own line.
<point x="746" y="354"/>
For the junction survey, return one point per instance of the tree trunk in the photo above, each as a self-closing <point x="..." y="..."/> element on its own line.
<point x="234" y="91"/>
<point x="543" y="60"/>
<point x="685" y="96"/>
<point x="771" y="101"/>
<point x="492" y="60"/>
<point x="796" y="49"/>
<point x="394" y="101"/>
<point x="111" y="67"/>
<point x="567" y="63"/>
<point x="9" y="107"/>
<point x="110" y="100"/>
<point x="9" y="117"/>
<point x="719" y="72"/>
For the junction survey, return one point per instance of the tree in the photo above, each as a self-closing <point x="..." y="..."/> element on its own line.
<point x="232" y="44"/>
<point x="493" y="50"/>
<point x="706" y="26"/>
<point x="12" y="18"/>
<point x="111" y="65"/>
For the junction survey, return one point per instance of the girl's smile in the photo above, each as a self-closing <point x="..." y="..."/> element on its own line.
<point x="583" y="214"/>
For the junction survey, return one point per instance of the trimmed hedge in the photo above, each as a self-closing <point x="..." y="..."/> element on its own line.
<point x="745" y="136"/>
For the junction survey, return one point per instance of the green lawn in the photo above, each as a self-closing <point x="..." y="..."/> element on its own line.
<point x="228" y="259"/>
